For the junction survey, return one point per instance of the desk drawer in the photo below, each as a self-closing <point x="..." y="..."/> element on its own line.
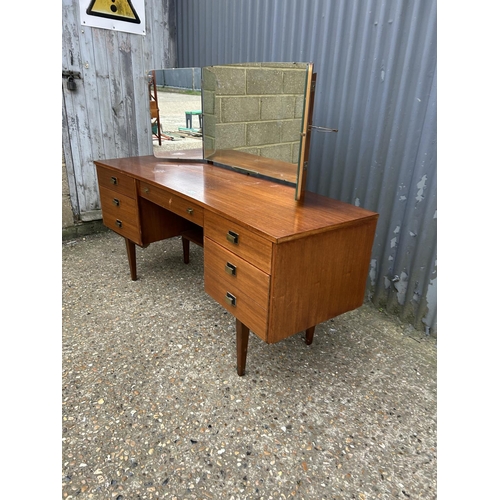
<point x="237" y="274"/>
<point x="120" y="214"/>
<point x="176" y="204"/>
<point x="239" y="304"/>
<point x="116" y="181"/>
<point x="239" y="240"/>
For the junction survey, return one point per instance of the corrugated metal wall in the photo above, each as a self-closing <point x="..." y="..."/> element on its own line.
<point x="376" y="65"/>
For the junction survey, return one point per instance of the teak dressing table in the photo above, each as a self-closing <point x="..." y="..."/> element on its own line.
<point x="278" y="265"/>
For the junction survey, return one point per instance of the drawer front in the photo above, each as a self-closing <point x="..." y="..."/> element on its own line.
<point x="176" y="204"/>
<point x="120" y="213"/>
<point x="237" y="274"/>
<point x="240" y="305"/>
<point x="239" y="240"/>
<point x="116" y="181"/>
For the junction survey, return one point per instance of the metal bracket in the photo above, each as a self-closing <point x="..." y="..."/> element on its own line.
<point x="71" y="74"/>
<point x="323" y="129"/>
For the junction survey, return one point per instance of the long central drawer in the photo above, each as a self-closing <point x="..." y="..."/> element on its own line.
<point x="180" y="206"/>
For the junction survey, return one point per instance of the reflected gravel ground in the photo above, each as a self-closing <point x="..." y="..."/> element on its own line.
<point x="173" y="107"/>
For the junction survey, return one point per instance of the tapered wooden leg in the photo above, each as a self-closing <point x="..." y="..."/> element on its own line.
<point x="185" y="250"/>
<point x="310" y="335"/>
<point x="131" y="258"/>
<point x="242" y="333"/>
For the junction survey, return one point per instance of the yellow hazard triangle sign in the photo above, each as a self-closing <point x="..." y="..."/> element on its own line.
<point x="121" y="10"/>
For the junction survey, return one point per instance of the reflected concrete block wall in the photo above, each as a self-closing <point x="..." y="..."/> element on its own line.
<point x="255" y="108"/>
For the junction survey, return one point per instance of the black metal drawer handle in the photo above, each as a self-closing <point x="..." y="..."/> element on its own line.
<point x="118" y="223"/>
<point x="232" y="237"/>
<point x="116" y="202"/>
<point x="114" y="180"/>
<point x="230" y="269"/>
<point x="230" y="299"/>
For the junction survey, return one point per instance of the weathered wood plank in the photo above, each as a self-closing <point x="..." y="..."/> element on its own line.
<point x="108" y="115"/>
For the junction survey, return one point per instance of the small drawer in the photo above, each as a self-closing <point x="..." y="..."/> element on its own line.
<point x="117" y="181"/>
<point x="176" y="204"/>
<point x="239" y="240"/>
<point x="240" y="305"/>
<point x="120" y="214"/>
<point x="236" y="273"/>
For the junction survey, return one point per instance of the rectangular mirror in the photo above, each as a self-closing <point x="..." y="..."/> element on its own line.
<point x="252" y="117"/>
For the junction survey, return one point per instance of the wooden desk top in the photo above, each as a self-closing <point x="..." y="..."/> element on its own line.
<point x="262" y="205"/>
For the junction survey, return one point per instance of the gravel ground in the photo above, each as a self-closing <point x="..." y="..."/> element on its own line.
<point x="152" y="406"/>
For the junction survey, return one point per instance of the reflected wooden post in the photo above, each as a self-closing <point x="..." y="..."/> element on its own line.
<point x="153" y="107"/>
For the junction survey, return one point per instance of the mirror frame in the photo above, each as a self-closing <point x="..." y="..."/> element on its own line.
<point x="306" y="134"/>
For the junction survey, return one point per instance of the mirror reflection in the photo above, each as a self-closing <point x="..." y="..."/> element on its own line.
<point x="176" y="112"/>
<point x="251" y="117"/>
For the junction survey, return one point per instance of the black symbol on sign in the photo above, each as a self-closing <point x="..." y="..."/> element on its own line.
<point x="120" y="10"/>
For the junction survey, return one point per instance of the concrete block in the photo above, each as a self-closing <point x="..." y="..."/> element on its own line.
<point x="209" y="79"/>
<point x="277" y="107"/>
<point x="209" y="123"/>
<point x="294" y="82"/>
<point x="296" y="152"/>
<point x="251" y="151"/>
<point x="208" y="145"/>
<point x="290" y="130"/>
<point x="299" y="106"/>
<point x="263" y="133"/>
<point x="285" y="65"/>
<point x="264" y="81"/>
<point x="208" y="102"/>
<point x="239" y="109"/>
<point x="281" y="152"/>
<point x="230" y="136"/>
<point x="230" y="81"/>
